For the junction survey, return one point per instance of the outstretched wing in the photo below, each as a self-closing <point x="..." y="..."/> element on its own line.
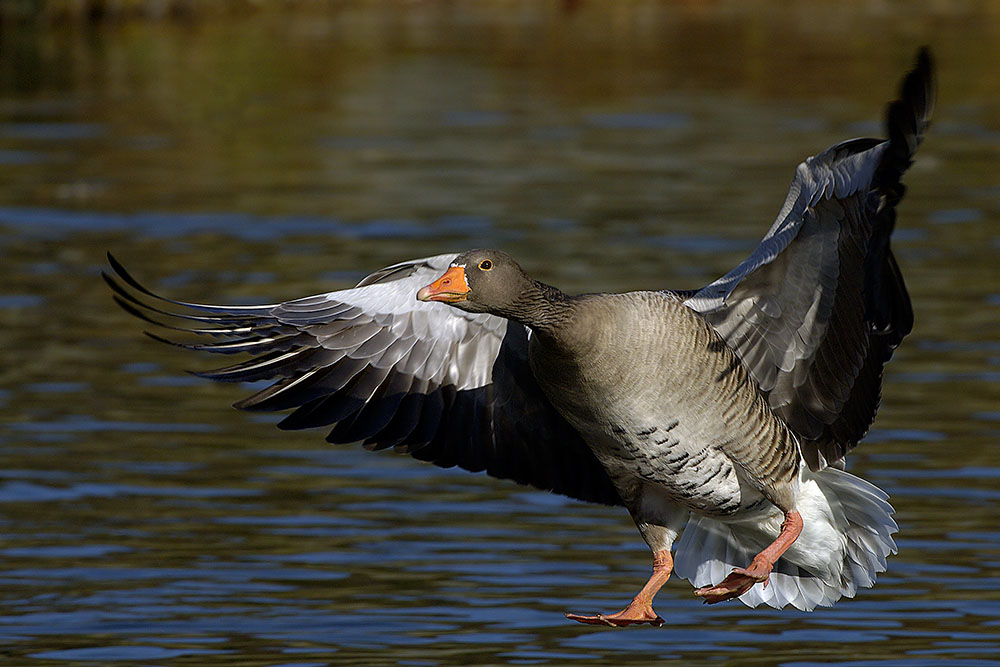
<point x="382" y="368"/>
<point x="817" y="309"/>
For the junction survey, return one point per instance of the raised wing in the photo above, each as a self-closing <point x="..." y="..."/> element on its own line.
<point x="382" y="368"/>
<point x="817" y="309"/>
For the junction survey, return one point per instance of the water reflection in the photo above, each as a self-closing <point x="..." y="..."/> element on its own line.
<point x="284" y="153"/>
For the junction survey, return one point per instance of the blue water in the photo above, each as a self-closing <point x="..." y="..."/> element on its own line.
<point x="609" y="148"/>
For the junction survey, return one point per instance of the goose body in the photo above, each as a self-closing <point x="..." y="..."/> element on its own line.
<point x="666" y="407"/>
<point x="719" y="418"/>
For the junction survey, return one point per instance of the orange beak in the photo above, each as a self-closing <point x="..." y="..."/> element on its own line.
<point x="449" y="288"/>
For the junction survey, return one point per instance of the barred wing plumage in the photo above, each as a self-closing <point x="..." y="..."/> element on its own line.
<point x="817" y="309"/>
<point x="382" y="368"/>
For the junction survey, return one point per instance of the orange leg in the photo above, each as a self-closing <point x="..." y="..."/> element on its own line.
<point x="640" y="609"/>
<point x="741" y="580"/>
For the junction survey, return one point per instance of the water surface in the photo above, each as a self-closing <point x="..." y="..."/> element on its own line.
<point x="276" y="154"/>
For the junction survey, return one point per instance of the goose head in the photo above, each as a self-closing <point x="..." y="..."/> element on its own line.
<point x="480" y="281"/>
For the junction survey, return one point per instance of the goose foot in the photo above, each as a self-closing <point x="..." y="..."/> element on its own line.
<point x="640" y="609"/>
<point x="741" y="580"/>
<point x="736" y="584"/>
<point x="634" y="614"/>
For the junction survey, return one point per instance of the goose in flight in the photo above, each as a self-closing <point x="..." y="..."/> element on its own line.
<point x="719" y="417"/>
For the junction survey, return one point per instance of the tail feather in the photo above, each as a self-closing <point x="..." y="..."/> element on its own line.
<point x="844" y="545"/>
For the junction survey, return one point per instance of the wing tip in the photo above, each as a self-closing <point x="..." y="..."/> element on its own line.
<point x="907" y="118"/>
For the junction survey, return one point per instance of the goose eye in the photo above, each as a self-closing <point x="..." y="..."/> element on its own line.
<point x="486" y="265"/>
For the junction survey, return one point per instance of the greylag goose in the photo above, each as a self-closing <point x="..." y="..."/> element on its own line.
<point x="718" y="417"/>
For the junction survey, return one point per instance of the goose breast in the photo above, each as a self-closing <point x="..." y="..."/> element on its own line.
<point x="665" y="405"/>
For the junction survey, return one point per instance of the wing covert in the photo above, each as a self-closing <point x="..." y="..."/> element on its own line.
<point x="819" y="306"/>
<point x="380" y="367"/>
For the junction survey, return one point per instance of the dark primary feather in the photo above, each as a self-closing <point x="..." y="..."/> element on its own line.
<point x="379" y="367"/>
<point x="817" y="309"/>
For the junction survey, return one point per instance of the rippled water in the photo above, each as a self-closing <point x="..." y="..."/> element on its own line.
<point x="277" y="154"/>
